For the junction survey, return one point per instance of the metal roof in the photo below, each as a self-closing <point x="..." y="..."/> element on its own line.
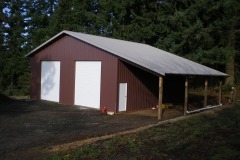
<point x="146" y="56"/>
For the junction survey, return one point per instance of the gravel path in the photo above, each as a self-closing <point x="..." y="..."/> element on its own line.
<point x="27" y="125"/>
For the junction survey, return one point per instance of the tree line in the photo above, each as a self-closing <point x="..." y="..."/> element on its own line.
<point x="205" y="31"/>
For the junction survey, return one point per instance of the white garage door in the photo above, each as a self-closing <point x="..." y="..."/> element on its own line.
<point x="50" y="80"/>
<point x="87" y="83"/>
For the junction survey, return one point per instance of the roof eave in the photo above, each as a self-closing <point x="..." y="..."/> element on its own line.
<point x="207" y="75"/>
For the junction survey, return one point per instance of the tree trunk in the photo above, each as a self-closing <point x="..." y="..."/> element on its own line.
<point x="230" y="64"/>
<point x="230" y="69"/>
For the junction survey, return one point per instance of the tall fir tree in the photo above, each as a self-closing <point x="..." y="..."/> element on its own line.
<point x="75" y="16"/>
<point x="14" y="68"/>
<point x="230" y="27"/>
<point x="206" y="31"/>
<point x="2" y="44"/>
<point x="38" y="17"/>
<point x="130" y="19"/>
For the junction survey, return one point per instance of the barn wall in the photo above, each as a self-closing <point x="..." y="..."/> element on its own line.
<point x="68" y="50"/>
<point x="35" y="85"/>
<point x="142" y="86"/>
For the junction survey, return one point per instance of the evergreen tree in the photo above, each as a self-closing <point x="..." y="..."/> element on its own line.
<point x="75" y="16"/>
<point x="2" y="18"/>
<point x="2" y="43"/>
<point x="230" y="27"/>
<point x="130" y="19"/>
<point x="38" y="17"/>
<point x="204" y="31"/>
<point x="14" y="64"/>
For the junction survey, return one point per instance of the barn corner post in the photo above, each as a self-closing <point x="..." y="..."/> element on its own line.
<point x="205" y="93"/>
<point x="186" y="97"/>
<point x="220" y="93"/>
<point x="160" y="97"/>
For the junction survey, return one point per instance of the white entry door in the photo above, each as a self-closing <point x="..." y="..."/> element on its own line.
<point x="122" y="100"/>
<point x="50" y="80"/>
<point x="87" y="83"/>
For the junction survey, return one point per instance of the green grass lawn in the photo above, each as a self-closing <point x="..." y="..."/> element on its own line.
<point x="214" y="136"/>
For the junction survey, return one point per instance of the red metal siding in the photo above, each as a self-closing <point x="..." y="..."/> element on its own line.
<point x="68" y="50"/>
<point x="142" y="91"/>
<point x="35" y="85"/>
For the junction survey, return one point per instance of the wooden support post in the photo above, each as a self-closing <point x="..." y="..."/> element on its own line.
<point x="160" y="97"/>
<point x="205" y="93"/>
<point x="186" y="97"/>
<point x="220" y="93"/>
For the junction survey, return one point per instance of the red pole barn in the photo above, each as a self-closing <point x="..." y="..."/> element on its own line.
<point x="80" y="69"/>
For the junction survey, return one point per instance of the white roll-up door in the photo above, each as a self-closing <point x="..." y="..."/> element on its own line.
<point x="87" y="83"/>
<point x="50" y="80"/>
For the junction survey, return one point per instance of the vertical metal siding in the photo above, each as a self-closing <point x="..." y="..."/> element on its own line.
<point x="35" y="79"/>
<point x="142" y="86"/>
<point x="68" y="50"/>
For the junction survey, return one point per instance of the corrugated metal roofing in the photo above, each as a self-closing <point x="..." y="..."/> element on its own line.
<point x="146" y="56"/>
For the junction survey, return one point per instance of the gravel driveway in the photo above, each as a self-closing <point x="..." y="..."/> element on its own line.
<point x="27" y="124"/>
